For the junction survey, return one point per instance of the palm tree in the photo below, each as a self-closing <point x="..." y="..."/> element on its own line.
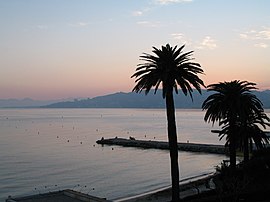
<point x="233" y="106"/>
<point x="251" y="131"/>
<point x="171" y="68"/>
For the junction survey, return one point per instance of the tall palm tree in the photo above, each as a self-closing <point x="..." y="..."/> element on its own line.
<point x="173" y="69"/>
<point x="232" y="106"/>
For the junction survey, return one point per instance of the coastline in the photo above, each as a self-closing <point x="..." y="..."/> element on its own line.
<point x="188" y="187"/>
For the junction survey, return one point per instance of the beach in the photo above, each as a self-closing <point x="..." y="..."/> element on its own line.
<point x="188" y="187"/>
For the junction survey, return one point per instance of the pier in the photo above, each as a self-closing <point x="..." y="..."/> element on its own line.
<point x="66" y="195"/>
<point x="149" y="144"/>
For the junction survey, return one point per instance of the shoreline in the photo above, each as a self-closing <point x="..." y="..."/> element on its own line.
<point x="188" y="186"/>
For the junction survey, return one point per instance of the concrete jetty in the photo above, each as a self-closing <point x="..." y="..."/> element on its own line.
<point x="148" y="144"/>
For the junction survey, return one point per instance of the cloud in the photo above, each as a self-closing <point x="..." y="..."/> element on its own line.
<point x="181" y="38"/>
<point x="261" y="45"/>
<point x="177" y="36"/>
<point x="165" y="2"/>
<point x="79" y="24"/>
<point x="137" y="13"/>
<point x="243" y="36"/>
<point x="207" y="43"/>
<point x="42" y="27"/>
<point x="265" y="34"/>
<point x="149" y="24"/>
<point x="256" y="35"/>
<point x="260" y="37"/>
<point x="141" y="12"/>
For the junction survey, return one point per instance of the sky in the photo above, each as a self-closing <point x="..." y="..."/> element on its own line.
<point x="54" y="49"/>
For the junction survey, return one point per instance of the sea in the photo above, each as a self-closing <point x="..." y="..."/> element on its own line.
<point x="45" y="150"/>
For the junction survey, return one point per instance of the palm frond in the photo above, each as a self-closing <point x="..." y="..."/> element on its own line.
<point x="170" y="67"/>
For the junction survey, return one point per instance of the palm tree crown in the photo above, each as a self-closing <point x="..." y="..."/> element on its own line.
<point x="171" y="67"/>
<point x="232" y="100"/>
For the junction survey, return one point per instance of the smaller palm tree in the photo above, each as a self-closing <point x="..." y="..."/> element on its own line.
<point x="232" y="105"/>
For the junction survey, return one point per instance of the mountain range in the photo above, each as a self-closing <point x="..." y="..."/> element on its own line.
<point x="123" y="100"/>
<point x="27" y="103"/>
<point x="134" y="100"/>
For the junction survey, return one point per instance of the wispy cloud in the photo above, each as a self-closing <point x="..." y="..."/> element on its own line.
<point x="243" y="36"/>
<point x="79" y="24"/>
<point x="149" y="24"/>
<point x="260" y="37"/>
<point x="88" y="23"/>
<point x="261" y="45"/>
<point x="177" y="36"/>
<point x="137" y="13"/>
<point x="181" y="38"/>
<point x="153" y="5"/>
<point x="256" y="35"/>
<point x="141" y="12"/>
<point x="42" y="27"/>
<point x="207" y="43"/>
<point x="165" y="2"/>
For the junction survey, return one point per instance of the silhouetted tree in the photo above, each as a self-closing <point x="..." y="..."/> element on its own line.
<point x="238" y="111"/>
<point x="171" y="68"/>
<point x="251" y="131"/>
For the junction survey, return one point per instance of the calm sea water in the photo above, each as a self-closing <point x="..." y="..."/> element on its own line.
<point x="45" y="150"/>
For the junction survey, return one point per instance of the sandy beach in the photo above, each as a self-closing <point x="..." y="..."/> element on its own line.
<point x="189" y="187"/>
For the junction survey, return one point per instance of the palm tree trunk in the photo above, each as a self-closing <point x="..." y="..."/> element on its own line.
<point x="246" y="149"/>
<point x="232" y="155"/>
<point x="172" y="136"/>
<point x="250" y="146"/>
<point x="232" y="147"/>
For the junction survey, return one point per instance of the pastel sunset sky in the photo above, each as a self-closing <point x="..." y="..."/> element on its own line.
<point x="53" y="49"/>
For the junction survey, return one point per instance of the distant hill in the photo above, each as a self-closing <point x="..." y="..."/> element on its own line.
<point x="26" y="103"/>
<point x="134" y="100"/>
<point x="264" y="96"/>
